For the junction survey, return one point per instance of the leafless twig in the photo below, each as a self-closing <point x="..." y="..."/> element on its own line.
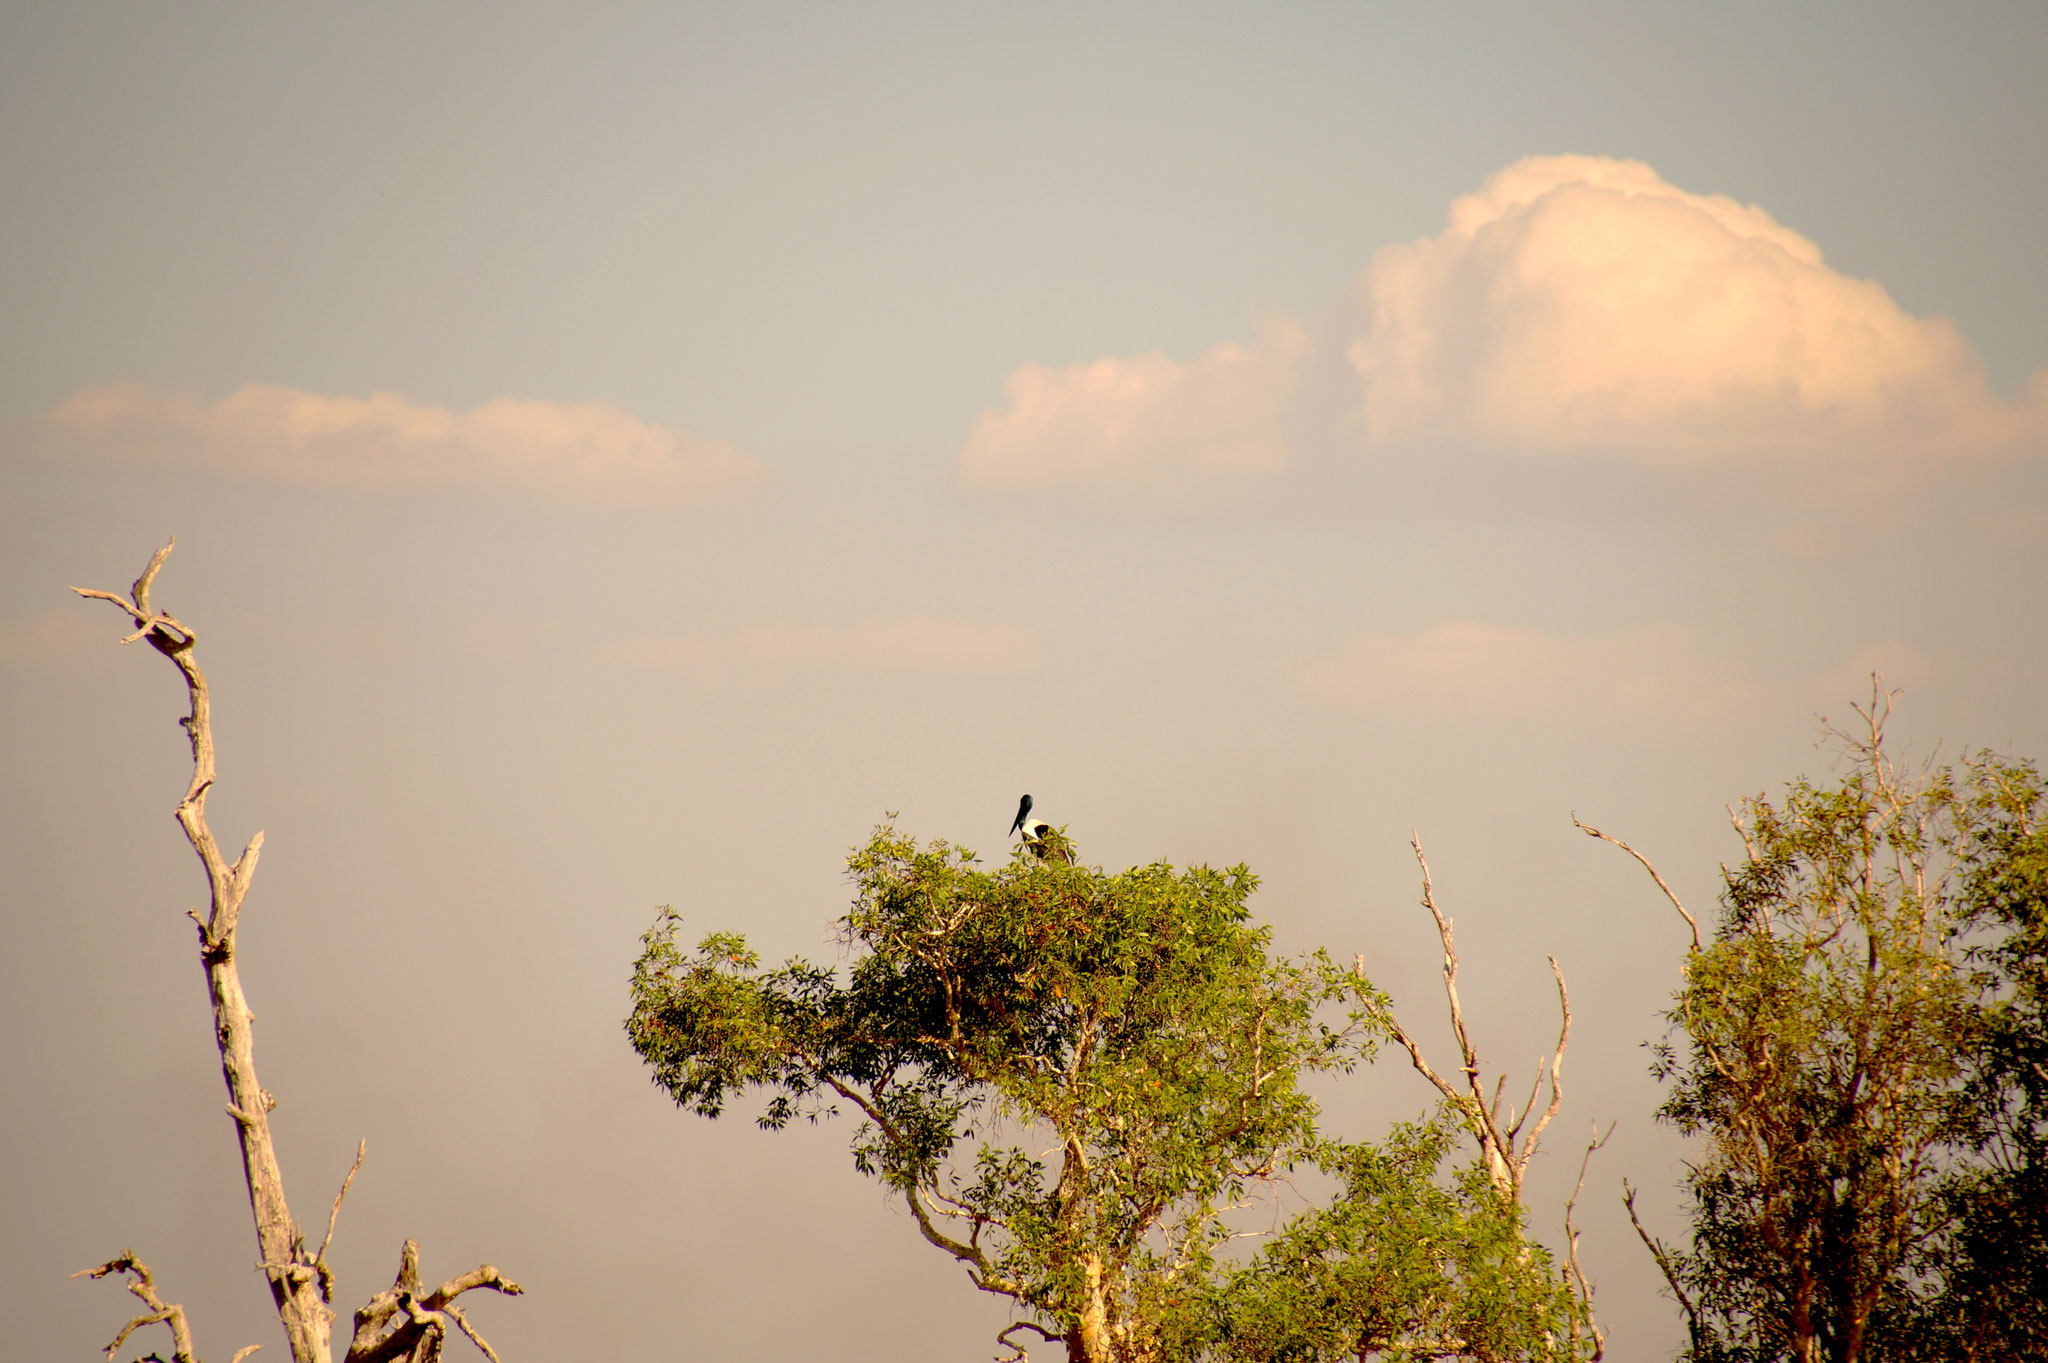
<point x="334" y="1212"/>
<point x="1582" y="1287"/>
<point x="1669" y="893"/>
<point x="1664" y="1264"/>
<point x="170" y="1314"/>
<point x="1022" y="1354"/>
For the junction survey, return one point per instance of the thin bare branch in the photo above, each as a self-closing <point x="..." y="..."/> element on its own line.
<point x="320" y="1257"/>
<point x="454" y="1313"/>
<point x="170" y="1314"/>
<point x="1664" y="1264"/>
<point x="1644" y="861"/>
<point x="1021" y="1354"/>
<point x="1564" y="1036"/>
<point x="1582" y="1287"/>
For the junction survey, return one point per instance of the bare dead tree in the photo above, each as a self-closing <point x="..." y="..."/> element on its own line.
<point x="403" y="1322"/>
<point x="1493" y="1120"/>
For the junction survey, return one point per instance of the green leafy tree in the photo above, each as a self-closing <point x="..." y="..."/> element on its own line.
<point x="1996" y="1272"/>
<point x="1402" y="1264"/>
<point x="1136" y="1029"/>
<point x="1830" y="1048"/>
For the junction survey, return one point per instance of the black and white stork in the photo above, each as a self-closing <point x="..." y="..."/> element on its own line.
<point x="1035" y="831"/>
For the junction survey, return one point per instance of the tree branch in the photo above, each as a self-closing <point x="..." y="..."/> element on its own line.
<point x="1669" y="893"/>
<point x="420" y="1318"/>
<point x="1694" y="1324"/>
<point x="170" y="1314"/>
<point x="294" y="1284"/>
<point x="1021" y="1354"/>
<point x="1582" y="1287"/>
<point x="320" y="1257"/>
<point x="301" y="1286"/>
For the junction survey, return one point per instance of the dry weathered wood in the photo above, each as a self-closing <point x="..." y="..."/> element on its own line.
<point x="294" y="1282"/>
<point x="1694" y="1324"/>
<point x="418" y="1321"/>
<point x="1504" y="1146"/>
<point x="1575" y="1274"/>
<point x="170" y="1314"/>
<point x="301" y="1284"/>
<point x="1669" y="893"/>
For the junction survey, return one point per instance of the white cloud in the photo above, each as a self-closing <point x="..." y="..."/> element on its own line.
<point x="1574" y="302"/>
<point x="1145" y="425"/>
<point x="910" y="644"/>
<point x="588" y="451"/>
<point x="1471" y="671"/>
<point x="1571" y="304"/>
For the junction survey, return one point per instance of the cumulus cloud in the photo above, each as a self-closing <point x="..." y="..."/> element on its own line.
<point x="1468" y="670"/>
<point x="1571" y="304"/>
<point x="909" y="644"/>
<point x="589" y="451"/>
<point x="1575" y="302"/>
<point x="1146" y="424"/>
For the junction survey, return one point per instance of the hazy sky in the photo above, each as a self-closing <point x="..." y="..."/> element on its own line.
<point x="618" y="454"/>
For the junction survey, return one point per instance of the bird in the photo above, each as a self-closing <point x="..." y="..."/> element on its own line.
<point x="1035" y="831"/>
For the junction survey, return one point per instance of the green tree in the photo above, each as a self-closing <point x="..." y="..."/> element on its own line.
<point x="1995" y="1275"/>
<point x="1402" y="1264"/>
<point x="1832" y="1047"/>
<point x="1136" y="1027"/>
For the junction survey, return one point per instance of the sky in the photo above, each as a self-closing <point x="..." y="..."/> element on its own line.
<point x="619" y="455"/>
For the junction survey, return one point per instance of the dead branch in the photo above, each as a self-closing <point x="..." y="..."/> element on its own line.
<point x="1502" y="1144"/>
<point x="302" y="1285"/>
<point x="1582" y="1287"/>
<point x="170" y="1314"/>
<point x="1664" y="1265"/>
<point x="1644" y="861"/>
<point x="418" y="1321"/>
<point x="1022" y="1354"/>
<point x="320" y="1256"/>
<point x="294" y="1282"/>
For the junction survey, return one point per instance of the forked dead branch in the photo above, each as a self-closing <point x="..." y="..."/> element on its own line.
<point x="405" y="1322"/>
<point x="1506" y="1138"/>
<point x="1493" y="1120"/>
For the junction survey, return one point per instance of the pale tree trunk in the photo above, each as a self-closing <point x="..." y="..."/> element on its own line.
<point x="301" y="1285"/>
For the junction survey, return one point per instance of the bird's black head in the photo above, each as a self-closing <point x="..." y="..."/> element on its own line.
<point x="1023" y="813"/>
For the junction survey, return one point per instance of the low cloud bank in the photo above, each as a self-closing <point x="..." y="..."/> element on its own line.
<point x="588" y="451"/>
<point x="911" y="644"/>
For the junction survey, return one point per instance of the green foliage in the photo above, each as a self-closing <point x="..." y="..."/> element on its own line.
<point x="1833" y="1047"/>
<point x="1398" y="1265"/>
<point x="1072" y="1078"/>
<point x="1996" y="1274"/>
